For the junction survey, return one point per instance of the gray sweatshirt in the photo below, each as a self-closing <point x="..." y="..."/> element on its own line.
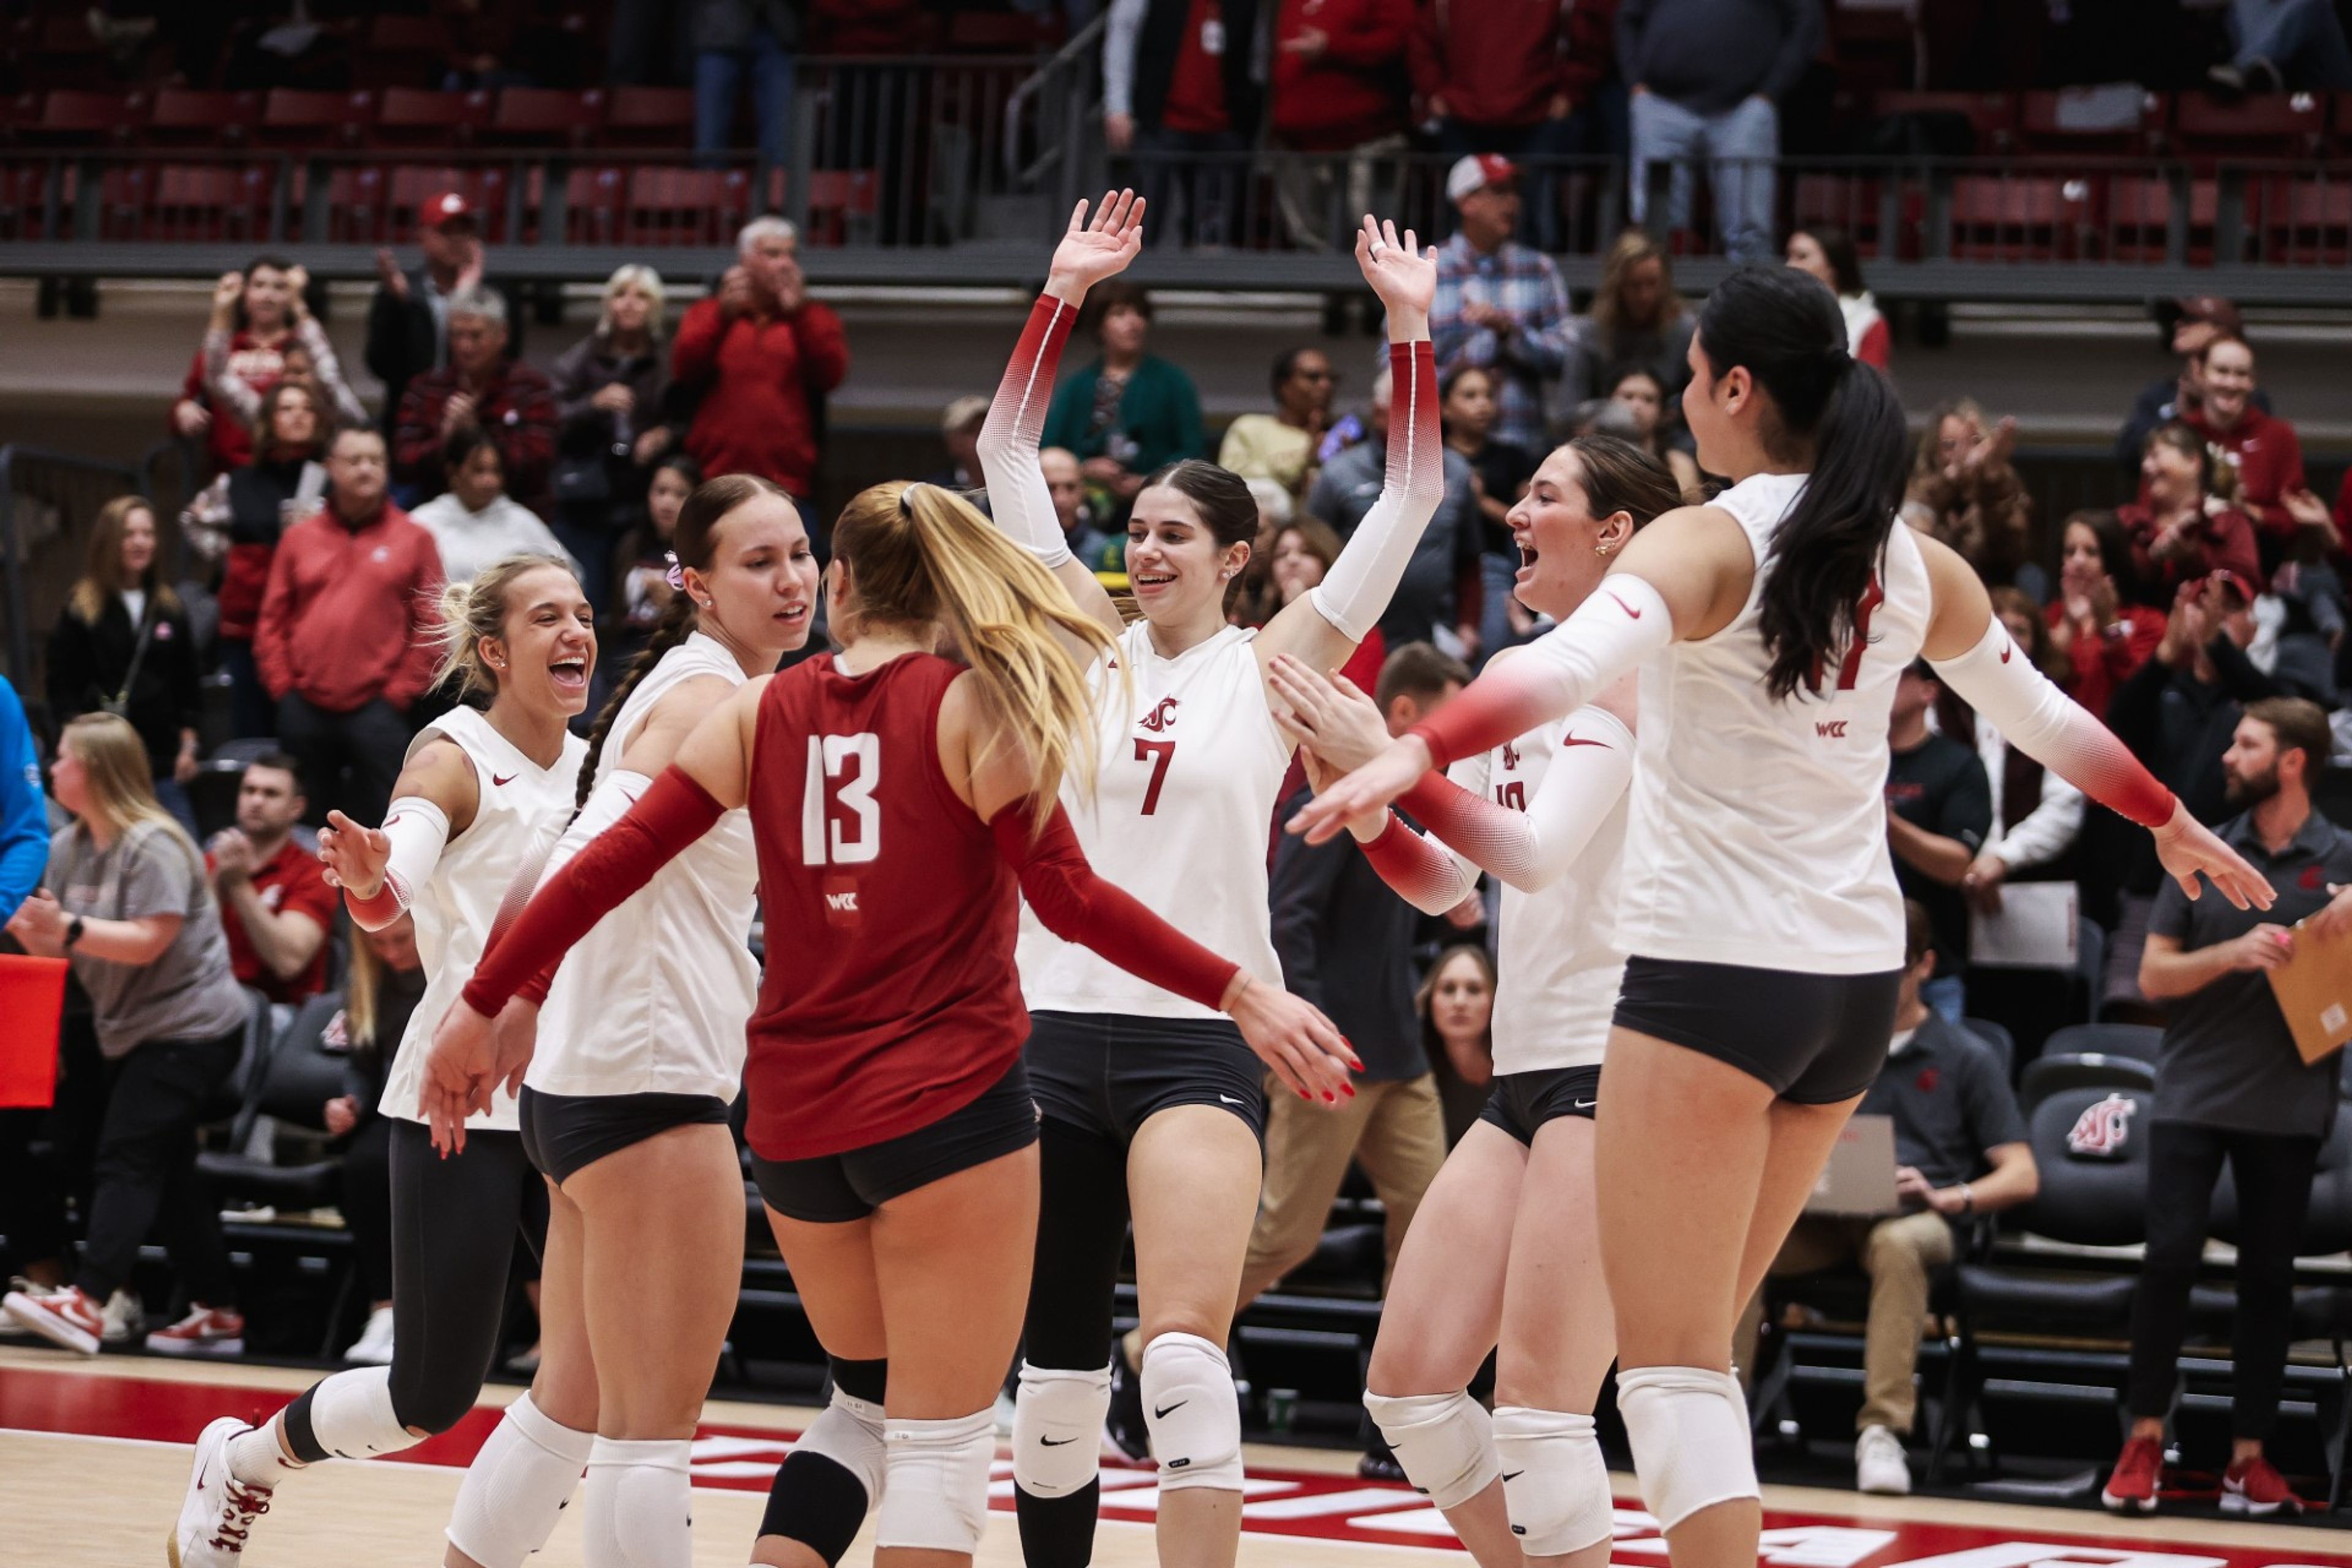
<point x="1708" y="55"/>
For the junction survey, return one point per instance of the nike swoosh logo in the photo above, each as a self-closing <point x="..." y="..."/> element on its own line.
<point x="1159" y="1414"/>
<point x="1228" y="1100"/>
<point x="1630" y="612"/>
<point x="395" y="816"/>
<point x="1568" y="740"/>
<point x="1050" y="1443"/>
<point x="1586" y="1104"/>
<point x="2004" y="654"/>
<point x="1513" y="1475"/>
<point x="508" y="780"/>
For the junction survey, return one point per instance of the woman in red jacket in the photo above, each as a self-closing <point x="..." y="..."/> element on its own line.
<point x="2179" y="529"/>
<point x="258" y="324"/>
<point x="2097" y="622"/>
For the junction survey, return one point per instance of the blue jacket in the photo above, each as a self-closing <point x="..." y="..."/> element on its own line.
<point x="23" y="814"/>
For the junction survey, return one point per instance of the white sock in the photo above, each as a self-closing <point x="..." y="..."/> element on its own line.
<point x="637" y="1505"/>
<point x="257" y="1459"/>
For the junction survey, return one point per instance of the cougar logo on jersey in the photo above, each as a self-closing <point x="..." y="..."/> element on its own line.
<point x="1159" y="718"/>
<point x="1510" y="756"/>
<point x="2101" y="1132"/>
<point x="1830" y="729"/>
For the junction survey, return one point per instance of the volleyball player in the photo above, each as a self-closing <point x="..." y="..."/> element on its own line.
<point x="1154" y="1109"/>
<point x="639" y="1051"/>
<point x="894" y="798"/>
<point x="1758" y="905"/>
<point x="1507" y="1242"/>
<point x="480" y="799"/>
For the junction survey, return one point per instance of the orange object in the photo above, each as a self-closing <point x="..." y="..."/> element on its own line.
<point x="32" y="1001"/>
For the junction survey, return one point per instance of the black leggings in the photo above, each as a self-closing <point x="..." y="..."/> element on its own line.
<point x="1081" y="1235"/>
<point x="2274" y="1176"/>
<point x="453" y="1224"/>
<point x="367" y="1204"/>
<point x="146" y="1176"/>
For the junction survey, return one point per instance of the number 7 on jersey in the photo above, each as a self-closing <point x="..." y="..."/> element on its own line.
<point x="829" y="839"/>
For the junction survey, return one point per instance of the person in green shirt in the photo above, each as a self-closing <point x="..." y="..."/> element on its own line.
<point x="1130" y="413"/>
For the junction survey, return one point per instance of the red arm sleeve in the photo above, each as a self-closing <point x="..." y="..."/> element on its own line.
<point x="1078" y="906"/>
<point x="1419" y="868"/>
<point x="670" y="816"/>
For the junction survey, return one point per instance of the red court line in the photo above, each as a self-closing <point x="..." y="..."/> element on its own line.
<point x="1280" y="1502"/>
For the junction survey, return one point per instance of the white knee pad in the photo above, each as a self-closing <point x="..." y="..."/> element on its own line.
<point x="1058" y="1422"/>
<point x="1195" y="1418"/>
<point x="935" y="1491"/>
<point x="1443" y="1442"/>
<point x="1691" y="1444"/>
<point x="849" y="1432"/>
<point x="1555" y="1481"/>
<point x="517" y="1487"/>
<point x="353" y="1418"/>
<point x="637" y="1505"/>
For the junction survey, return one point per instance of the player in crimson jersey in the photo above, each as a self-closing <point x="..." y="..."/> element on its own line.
<point x="1758" y="906"/>
<point x="899" y="799"/>
<point x="1152" y="1107"/>
<point x="1505" y="1247"/>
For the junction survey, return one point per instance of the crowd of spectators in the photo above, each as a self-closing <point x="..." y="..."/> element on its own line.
<point x="2210" y="602"/>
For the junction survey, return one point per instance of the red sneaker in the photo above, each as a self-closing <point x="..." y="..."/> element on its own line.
<point x="2133" y="1486"/>
<point x="65" y="1318"/>
<point x="2255" y="1486"/>
<point x="204" y="1332"/>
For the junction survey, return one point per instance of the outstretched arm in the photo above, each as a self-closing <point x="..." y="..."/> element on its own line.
<point x="380" y="868"/>
<point x="1976" y="657"/>
<point x="1339" y="612"/>
<point x="1017" y="497"/>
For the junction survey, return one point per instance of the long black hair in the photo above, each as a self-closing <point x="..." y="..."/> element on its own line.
<point x="1841" y="418"/>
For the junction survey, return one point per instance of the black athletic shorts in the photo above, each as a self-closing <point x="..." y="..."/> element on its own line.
<point x="1816" y="1039"/>
<point x="834" y="1189"/>
<point x="565" y="1134"/>
<point x="1522" y="1101"/>
<point x="1108" y="1073"/>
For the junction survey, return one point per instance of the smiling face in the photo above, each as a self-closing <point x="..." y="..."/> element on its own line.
<point x="480" y="480"/>
<point x="630" y="307"/>
<point x="1560" y="539"/>
<point x="138" y="544"/>
<point x="2081" y="556"/>
<point x="760" y="590"/>
<point x="2174" y="477"/>
<point x="1174" y="565"/>
<point x="267" y="295"/>
<point x="1461" y="1003"/>
<point x="2227" y="382"/>
<point x="547" y="644"/>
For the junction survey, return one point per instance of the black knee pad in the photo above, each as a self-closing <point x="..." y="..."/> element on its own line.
<point x="1059" y="1531"/>
<point x="817" y="1502"/>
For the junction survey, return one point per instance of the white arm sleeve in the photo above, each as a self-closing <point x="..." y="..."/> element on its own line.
<point x="1018" y="500"/>
<point x="1356" y="591"/>
<point x="419" y="831"/>
<point x="2000" y="682"/>
<point x="1623" y="622"/>
<point x="1533" y="847"/>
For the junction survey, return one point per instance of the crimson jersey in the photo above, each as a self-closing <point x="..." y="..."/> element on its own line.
<point x="889" y="997"/>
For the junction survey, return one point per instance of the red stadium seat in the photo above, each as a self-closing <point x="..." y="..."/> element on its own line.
<point x="294" y="117"/>
<point x="668" y="205"/>
<point x="1991" y="116"/>
<point x="842" y="204"/>
<point x="2274" y="125"/>
<point x="2137" y="224"/>
<point x="2303" y="221"/>
<point x="2030" y="218"/>
<point x="2119" y="120"/>
<point x="85" y="119"/>
<point x="541" y="115"/>
<point x="408" y="186"/>
<point x="2339" y="120"/>
<point x="184" y="116"/>
<point x="412" y="117"/>
<point x="186" y="201"/>
<point x="649" y="117"/>
<point x="596" y="203"/>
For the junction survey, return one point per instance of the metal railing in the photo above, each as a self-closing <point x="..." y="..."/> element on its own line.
<point x="1067" y="95"/>
<point x="46" y="500"/>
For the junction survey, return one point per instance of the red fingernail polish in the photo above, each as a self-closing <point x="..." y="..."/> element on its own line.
<point x="1329" y="1098"/>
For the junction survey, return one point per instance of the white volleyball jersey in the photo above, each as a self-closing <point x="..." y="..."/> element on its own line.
<point x="653" y="999"/>
<point x="519" y="812"/>
<point x="1556" y="949"/>
<point x="1188" y="780"/>
<point x="1758" y="827"/>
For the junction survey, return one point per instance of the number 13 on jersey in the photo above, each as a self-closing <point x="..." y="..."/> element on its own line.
<point x="843" y="771"/>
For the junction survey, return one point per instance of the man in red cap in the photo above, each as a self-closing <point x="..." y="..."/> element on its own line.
<point x="408" y="319"/>
<point x="2197" y="321"/>
<point x="1500" y="305"/>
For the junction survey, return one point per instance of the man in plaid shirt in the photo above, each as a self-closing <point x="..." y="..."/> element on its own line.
<point x="1500" y="305"/>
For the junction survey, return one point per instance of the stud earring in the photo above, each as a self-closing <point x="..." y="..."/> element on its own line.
<point x="1602" y="550"/>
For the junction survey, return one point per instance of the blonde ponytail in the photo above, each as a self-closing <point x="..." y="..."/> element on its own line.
<point x="918" y="554"/>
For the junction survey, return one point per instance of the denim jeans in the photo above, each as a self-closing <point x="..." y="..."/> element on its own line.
<point x="2302" y="38"/>
<point x="1946" y="997"/>
<point x="1190" y="179"/>
<point x="719" y="77"/>
<point x="1741" y="147"/>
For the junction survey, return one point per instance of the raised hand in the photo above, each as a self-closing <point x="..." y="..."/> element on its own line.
<point x="1094" y="249"/>
<point x="356" y="857"/>
<point x="1369" y="788"/>
<point x="1400" y="273"/>
<point x="1329" y="715"/>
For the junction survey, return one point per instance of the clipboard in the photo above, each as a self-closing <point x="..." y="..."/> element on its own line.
<point x="2315" y="990"/>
